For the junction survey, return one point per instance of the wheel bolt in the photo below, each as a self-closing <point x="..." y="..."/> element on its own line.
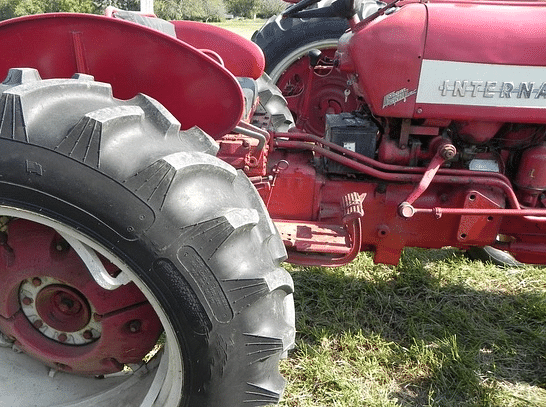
<point x="61" y="246"/>
<point x="88" y="335"/>
<point x="38" y="324"/>
<point x="36" y="282"/>
<point x="27" y="301"/>
<point x="62" y="338"/>
<point x="135" y="325"/>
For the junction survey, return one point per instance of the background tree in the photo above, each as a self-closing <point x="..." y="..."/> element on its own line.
<point x="268" y="8"/>
<point x="100" y="5"/>
<point x="242" y="8"/>
<point x="16" y="8"/>
<point x="203" y="10"/>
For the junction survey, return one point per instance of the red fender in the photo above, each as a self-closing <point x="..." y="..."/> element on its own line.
<point x="132" y="58"/>
<point x="240" y="56"/>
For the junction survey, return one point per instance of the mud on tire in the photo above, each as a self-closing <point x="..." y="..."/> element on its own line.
<point x="135" y="206"/>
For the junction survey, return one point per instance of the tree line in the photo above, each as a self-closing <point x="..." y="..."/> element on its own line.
<point x="201" y="10"/>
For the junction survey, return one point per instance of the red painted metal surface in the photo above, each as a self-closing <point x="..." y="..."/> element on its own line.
<point x="129" y="327"/>
<point x="132" y="58"/>
<point x="443" y="211"/>
<point x="531" y="176"/>
<point x="312" y="93"/>
<point x="389" y="53"/>
<point x="464" y="32"/>
<point x="240" y="56"/>
<point x="461" y="32"/>
<point x="523" y="115"/>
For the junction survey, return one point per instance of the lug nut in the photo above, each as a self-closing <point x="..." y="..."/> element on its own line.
<point x="88" y="335"/>
<point x="36" y="282"/>
<point x="61" y="246"/>
<point x="406" y="210"/>
<point x="38" y="324"/>
<point x="62" y="338"/>
<point x="27" y="301"/>
<point x="135" y="325"/>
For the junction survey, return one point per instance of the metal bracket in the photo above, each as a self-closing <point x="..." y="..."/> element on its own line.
<point x="95" y="266"/>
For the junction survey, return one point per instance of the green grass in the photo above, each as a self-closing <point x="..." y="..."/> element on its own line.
<point x="244" y="28"/>
<point x="437" y="330"/>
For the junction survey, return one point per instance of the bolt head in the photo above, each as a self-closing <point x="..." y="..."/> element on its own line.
<point x="406" y="210"/>
<point x="135" y="326"/>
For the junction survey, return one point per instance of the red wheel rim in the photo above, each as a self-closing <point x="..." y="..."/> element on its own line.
<point x="58" y="314"/>
<point x="327" y="93"/>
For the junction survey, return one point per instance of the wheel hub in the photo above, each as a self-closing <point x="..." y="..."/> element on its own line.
<point x="326" y="94"/>
<point x="59" y="311"/>
<point x="54" y="310"/>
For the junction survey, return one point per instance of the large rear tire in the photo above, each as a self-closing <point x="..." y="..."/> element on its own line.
<point x="116" y="227"/>
<point x="286" y="44"/>
<point x="284" y="40"/>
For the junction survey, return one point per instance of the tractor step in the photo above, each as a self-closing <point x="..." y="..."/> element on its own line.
<point x="314" y="237"/>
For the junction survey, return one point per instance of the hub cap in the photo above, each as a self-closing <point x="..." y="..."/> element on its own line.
<point x="59" y="311"/>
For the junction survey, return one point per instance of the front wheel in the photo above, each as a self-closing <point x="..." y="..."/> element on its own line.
<point x="137" y="269"/>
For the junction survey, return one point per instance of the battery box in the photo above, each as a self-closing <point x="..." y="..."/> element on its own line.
<point x="350" y="132"/>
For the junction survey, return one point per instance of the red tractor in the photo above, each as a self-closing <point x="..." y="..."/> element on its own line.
<point x="289" y="44"/>
<point x="147" y="202"/>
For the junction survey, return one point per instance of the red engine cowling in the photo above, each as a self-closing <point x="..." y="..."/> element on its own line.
<point x="446" y="60"/>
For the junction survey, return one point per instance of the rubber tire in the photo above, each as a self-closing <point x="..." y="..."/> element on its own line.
<point x="272" y="111"/>
<point x="192" y="228"/>
<point x="278" y="37"/>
